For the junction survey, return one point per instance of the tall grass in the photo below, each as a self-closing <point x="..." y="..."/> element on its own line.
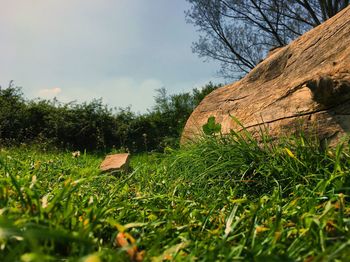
<point x="224" y="198"/>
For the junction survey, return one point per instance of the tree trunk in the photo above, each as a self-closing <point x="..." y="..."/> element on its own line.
<point x="305" y="84"/>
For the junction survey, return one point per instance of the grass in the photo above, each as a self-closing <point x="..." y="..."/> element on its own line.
<point x="225" y="198"/>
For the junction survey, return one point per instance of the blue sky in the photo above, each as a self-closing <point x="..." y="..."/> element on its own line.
<point x="117" y="50"/>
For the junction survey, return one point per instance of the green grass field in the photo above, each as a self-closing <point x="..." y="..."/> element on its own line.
<point x="223" y="199"/>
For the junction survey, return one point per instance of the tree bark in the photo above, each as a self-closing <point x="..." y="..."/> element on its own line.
<point x="302" y="86"/>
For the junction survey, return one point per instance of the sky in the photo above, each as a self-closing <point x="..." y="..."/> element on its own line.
<point x="117" y="50"/>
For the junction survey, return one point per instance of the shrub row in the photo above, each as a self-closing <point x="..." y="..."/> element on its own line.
<point x="93" y="125"/>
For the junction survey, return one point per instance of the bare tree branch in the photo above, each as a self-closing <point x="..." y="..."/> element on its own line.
<point x="238" y="33"/>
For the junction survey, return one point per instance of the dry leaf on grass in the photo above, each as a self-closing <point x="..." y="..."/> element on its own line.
<point x="126" y="241"/>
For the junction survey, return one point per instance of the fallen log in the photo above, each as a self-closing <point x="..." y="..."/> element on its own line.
<point x="305" y="84"/>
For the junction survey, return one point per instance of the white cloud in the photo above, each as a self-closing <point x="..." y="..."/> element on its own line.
<point x="49" y="93"/>
<point x="122" y="91"/>
<point x="115" y="91"/>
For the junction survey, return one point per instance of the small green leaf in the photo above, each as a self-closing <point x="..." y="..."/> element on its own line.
<point x="211" y="127"/>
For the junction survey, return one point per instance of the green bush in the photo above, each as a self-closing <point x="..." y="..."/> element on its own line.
<point x="93" y="125"/>
<point x="13" y="114"/>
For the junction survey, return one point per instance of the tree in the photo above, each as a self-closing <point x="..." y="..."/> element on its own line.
<point x="12" y="113"/>
<point x="171" y="112"/>
<point x="239" y="33"/>
<point x="176" y="108"/>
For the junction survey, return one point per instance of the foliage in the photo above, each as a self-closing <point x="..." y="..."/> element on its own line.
<point x="12" y="113"/>
<point x="211" y="127"/>
<point x="224" y="198"/>
<point x="238" y="34"/>
<point x="175" y="109"/>
<point x="93" y="125"/>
